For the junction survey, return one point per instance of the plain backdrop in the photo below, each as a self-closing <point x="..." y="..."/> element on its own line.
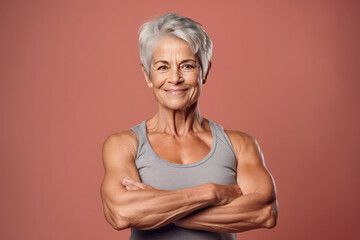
<point x="285" y="72"/>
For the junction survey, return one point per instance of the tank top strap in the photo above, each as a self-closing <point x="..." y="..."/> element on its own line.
<point x="140" y="131"/>
<point x="223" y="137"/>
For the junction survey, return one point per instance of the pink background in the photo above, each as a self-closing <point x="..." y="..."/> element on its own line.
<point x="285" y="72"/>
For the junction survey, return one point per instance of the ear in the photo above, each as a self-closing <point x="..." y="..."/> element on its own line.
<point x="207" y="73"/>
<point x="147" y="77"/>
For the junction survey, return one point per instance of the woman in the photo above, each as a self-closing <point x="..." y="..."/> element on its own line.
<point x="179" y="175"/>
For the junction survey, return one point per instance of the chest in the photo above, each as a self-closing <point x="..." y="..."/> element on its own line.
<point x="219" y="166"/>
<point x="184" y="150"/>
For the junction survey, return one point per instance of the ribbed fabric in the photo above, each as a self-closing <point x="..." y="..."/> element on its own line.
<point x="218" y="166"/>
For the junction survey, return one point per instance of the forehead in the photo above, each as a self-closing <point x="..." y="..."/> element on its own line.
<point x="172" y="48"/>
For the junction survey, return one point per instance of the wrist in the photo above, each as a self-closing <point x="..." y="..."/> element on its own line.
<point x="212" y="196"/>
<point x="224" y="194"/>
<point x="215" y="193"/>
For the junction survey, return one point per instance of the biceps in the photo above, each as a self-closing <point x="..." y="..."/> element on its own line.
<point x="256" y="179"/>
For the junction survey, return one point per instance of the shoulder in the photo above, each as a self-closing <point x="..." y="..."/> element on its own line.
<point x="123" y="143"/>
<point x="240" y="140"/>
<point x="127" y="137"/>
<point x="244" y="145"/>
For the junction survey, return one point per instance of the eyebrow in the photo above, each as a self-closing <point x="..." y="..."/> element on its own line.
<point x="166" y="62"/>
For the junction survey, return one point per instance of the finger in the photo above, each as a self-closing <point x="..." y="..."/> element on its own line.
<point x="137" y="184"/>
<point x="126" y="182"/>
<point x="145" y="186"/>
<point x="134" y="182"/>
<point x="132" y="187"/>
<point x="148" y="186"/>
<point x="129" y="186"/>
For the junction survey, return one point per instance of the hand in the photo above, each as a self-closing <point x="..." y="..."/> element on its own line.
<point x="131" y="185"/>
<point x="227" y="193"/>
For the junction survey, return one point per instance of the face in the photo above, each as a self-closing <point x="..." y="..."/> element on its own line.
<point x="174" y="74"/>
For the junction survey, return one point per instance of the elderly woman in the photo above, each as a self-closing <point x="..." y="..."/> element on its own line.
<point x="178" y="175"/>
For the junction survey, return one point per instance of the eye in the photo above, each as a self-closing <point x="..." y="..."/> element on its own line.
<point x="187" y="67"/>
<point x="163" y="68"/>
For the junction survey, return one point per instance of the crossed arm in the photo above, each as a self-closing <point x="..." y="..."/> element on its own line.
<point x="211" y="207"/>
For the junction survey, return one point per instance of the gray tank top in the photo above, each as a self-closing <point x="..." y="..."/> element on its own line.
<point x="218" y="166"/>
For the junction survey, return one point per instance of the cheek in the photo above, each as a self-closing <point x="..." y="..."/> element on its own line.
<point x="196" y="81"/>
<point x="192" y="79"/>
<point x="158" y="81"/>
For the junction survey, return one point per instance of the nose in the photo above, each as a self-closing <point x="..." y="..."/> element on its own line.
<point x="175" y="75"/>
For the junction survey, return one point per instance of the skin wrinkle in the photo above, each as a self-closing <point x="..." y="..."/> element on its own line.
<point x="183" y="61"/>
<point x="188" y="30"/>
<point x="174" y="51"/>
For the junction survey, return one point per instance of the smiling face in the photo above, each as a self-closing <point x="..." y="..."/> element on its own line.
<point x="175" y="74"/>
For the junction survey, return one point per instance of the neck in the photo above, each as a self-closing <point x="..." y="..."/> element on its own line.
<point x="177" y="122"/>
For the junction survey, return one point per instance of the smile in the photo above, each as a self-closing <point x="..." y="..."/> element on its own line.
<point x="176" y="91"/>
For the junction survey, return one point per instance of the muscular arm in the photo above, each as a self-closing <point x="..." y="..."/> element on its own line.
<point x="255" y="208"/>
<point x="148" y="208"/>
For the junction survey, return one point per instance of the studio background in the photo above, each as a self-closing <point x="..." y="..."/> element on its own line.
<point x="285" y="72"/>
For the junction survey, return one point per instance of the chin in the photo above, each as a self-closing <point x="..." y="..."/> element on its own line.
<point x="176" y="107"/>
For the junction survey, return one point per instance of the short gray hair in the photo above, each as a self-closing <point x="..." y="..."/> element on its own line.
<point x="179" y="26"/>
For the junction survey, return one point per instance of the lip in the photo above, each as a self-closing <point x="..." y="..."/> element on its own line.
<point x="176" y="91"/>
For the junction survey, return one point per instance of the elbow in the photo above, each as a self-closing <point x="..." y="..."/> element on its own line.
<point x="117" y="222"/>
<point x="116" y="218"/>
<point x="124" y="220"/>
<point x="121" y="224"/>
<point x="271" y="214"/>
<point x="271" y="221"/>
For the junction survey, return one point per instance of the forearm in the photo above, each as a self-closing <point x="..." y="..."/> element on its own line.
<point x="152" y="208"/>
<point x="244" y="213"/>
